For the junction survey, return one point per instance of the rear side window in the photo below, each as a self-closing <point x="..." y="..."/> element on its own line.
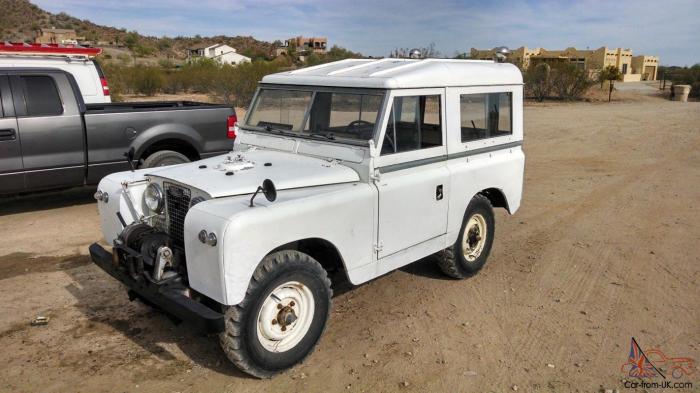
<point x="41" y="96"/>
<point x="486" y="115"/>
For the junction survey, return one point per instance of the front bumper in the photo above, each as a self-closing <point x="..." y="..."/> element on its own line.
<point x="168" y="298"/>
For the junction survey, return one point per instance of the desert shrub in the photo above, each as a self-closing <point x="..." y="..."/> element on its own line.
<point x="570" y="82"/>
<point x="609" y="73"/>
<point x="538" y="81"/>
<point x="683" y="76"/>
<point x="235" y="85"/>
<point x="119" y="79"/>
<point x="124" y="58"/>
<point x="147" y="80"/>
<point x="196" y="76"/>
<point x="141" y="50"/>
<point x="166" y="63"/>
<point x="561" y="81"/>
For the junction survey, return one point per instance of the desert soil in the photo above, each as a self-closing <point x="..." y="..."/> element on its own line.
<point x="605" y="246"/>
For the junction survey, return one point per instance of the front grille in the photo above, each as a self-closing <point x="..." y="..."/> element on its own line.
<point x="177" y="202"/>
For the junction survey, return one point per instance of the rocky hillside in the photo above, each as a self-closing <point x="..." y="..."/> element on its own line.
<point x="19" y="19"/>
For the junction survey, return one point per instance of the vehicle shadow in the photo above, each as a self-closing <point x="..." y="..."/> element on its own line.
<point x="23" y="203"/>
<point x="104" y="301"/>
<point x="426" y="267"/>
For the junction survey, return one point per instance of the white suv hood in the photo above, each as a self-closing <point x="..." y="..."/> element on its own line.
<point x="238" y="173"/>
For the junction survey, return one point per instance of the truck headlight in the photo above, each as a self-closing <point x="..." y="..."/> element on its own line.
<point x="153" y="198"/>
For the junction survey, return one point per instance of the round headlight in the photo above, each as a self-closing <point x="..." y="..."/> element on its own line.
<point x="153" y="198"/>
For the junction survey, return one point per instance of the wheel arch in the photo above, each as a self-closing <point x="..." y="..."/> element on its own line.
<point x="497" y="198"/>
<point x="322" y="250"/>
<point x="175" y="144"/>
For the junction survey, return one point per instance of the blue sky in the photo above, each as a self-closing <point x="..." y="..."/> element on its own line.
<point x="669" y="29"/>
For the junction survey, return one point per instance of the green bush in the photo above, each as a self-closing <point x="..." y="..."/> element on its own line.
<point x="570" y="82"/>
<point x="232" y="85"/>
<point x="538" y="81"/>
<point x="557" y="80"/>
<point x="148" y="80"/>
<point x="683" y="76"/>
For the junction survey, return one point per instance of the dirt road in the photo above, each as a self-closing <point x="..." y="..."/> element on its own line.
<point x="605" y="247"/>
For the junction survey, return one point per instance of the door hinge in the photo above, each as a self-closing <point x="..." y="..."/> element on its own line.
<point x="376" y="176"/>
<point x="379" y="247"/>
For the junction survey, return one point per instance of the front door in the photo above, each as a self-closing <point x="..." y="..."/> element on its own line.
<point x="11" y="176"/>
<point x="413" y="180"/>
<point x="50" y="130"/>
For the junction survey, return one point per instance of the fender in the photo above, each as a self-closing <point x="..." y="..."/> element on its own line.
<point x="504" y="176"/>
<point x="336" y="213"/>
<point x="166" y="131"/>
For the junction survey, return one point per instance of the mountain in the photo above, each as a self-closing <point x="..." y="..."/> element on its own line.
<point x="19" y="20"/>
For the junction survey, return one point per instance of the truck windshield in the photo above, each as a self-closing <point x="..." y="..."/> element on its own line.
<point x="336" y="116"/>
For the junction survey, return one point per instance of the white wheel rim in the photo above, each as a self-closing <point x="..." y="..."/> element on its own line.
<point x="289" y="301"/>
<point x="474" y="237"/>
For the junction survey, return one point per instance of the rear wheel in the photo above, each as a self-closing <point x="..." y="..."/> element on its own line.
<point x="471" y="250"/>
<point x="282" y="316"/>
<point x="164" y="158"/>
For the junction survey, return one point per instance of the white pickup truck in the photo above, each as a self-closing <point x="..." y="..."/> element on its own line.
<point x="360" y="166"/>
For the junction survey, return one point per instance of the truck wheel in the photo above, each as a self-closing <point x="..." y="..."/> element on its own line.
<point x="282" y="316"/>
<point x="469" y="253"/>
<point x="164" y="158"/>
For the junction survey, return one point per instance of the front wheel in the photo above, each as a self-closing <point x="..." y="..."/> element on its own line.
<point x="282" y="316"/>
<point x="471" y="250"/>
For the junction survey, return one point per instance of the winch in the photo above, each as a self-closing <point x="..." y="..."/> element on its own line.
<point x="147" y="253"/>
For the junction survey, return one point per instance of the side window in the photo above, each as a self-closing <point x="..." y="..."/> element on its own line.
<point x="486" y="115"/>
<point x="41" y="96"/>
<point x="415" y="122"/>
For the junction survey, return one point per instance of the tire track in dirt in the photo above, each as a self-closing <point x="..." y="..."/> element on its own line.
<point x="586" y="272"/>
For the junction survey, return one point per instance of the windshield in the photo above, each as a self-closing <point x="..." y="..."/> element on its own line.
<point x="341" y="116"/>
<point x="280" y="109"/>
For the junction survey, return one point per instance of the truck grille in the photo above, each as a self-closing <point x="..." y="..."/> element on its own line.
<point x="177" y="203"/>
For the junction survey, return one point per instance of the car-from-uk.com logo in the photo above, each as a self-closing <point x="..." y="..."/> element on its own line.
<point x="652" y="369"/>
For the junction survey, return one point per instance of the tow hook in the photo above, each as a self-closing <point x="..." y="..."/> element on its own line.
<point x="163" y="258"/>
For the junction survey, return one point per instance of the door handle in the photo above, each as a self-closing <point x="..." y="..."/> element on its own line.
<point x="8" y="134"/>
<point x="438" y="193"/>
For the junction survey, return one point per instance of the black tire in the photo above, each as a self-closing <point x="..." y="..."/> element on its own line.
<point x="240" y="339"/>
<point x="452" y="260"/>
<point x="163" y="158"/>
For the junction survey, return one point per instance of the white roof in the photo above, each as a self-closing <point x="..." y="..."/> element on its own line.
<point x="393" y="73"/>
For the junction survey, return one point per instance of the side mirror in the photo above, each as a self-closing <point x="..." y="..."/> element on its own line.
<point x="268" y="189"/>
<point x="130" y="158"/>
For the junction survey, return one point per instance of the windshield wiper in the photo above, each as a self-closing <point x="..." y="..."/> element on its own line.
<point x="280" y="131"/>
<point x="327" y="135"/>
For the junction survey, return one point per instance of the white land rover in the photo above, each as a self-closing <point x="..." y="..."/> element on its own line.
<point x="360" y="166"/>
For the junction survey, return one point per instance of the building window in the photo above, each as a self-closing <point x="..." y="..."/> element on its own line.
<point x="486" y="115"/>
<point x="415" y="122"/>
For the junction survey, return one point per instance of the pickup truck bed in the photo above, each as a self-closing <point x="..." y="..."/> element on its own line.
<point x="149" y="106"/>
<point x="49" y="138"/>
